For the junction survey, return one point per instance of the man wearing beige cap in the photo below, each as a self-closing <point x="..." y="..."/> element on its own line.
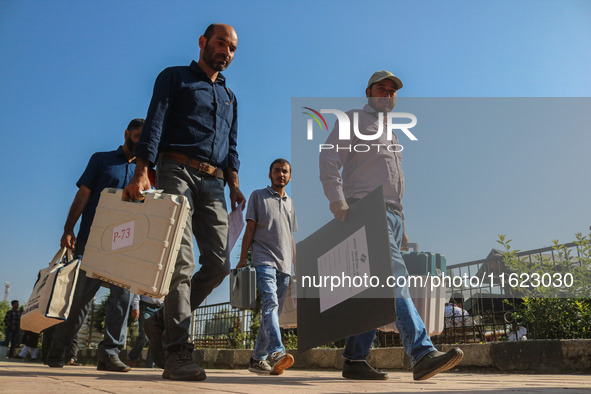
<point x="346" y="178"/>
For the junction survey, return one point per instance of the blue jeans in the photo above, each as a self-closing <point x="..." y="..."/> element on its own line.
<point x="146" y="311"/>
<point x="412" y="330"/>
<point x="272" y="286"/>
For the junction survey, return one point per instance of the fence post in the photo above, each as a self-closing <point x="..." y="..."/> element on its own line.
<point x="89" y="343"/>
<point x="244" y="328"/>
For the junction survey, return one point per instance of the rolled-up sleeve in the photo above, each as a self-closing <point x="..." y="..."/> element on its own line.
<point x="135" y="302"/>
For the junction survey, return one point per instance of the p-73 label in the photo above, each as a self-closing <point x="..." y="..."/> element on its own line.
<point x="122" y="235"/>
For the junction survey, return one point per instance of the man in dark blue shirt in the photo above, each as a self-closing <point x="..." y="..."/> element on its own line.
<point x="104" y="170"/>
<point x="191" y="132"/>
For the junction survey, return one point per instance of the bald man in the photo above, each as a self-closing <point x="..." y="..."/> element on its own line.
<point x="191" y="133"/>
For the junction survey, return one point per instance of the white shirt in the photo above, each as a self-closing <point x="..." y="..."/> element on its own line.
<point x="519" y="336"/>
<point x="461" y="316"/>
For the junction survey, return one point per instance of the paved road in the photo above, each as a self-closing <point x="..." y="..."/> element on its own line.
<point x="26" y="377"/>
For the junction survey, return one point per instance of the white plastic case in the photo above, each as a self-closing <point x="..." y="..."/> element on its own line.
<point x="134" y="245"/>
<point x="429" y="304"/>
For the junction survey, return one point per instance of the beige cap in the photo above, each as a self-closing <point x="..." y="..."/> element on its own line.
<point x="381" y="75"/>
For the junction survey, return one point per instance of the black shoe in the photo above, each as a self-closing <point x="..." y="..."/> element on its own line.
<point x="361" y="370"/>
<point x="154" y="333"/>
<point x="112" y="363"/>
<point x="180" y="366"/>
<point x="55" y="358"/>
<point x="436" y="362"/>
<point x="55" y="363"/>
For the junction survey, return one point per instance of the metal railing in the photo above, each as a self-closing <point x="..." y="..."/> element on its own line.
<point x="221" y="326"/>
<point x="490" y="308"/>
<point x="490" y="305"/>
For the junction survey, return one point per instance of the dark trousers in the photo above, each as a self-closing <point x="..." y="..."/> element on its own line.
<point x="117" y="311"/>
<point x="71" y="350"/>
<point x="208" y="222"/>
<point x="12" y="337"/>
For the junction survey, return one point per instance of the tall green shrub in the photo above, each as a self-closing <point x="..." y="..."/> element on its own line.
<point x="553" y="312"/>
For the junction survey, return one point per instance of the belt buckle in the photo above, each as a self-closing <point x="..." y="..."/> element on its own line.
<point x="207" y="168"/>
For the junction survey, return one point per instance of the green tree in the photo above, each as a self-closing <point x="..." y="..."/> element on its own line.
<point x="4" y="307"/>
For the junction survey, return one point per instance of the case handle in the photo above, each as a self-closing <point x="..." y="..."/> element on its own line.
<point x="413" y="245"/>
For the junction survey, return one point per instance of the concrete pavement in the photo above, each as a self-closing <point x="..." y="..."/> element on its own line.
<point x="27" y="377"/>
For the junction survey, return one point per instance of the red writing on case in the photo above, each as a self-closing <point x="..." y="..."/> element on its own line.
<point x="122" y="234"/>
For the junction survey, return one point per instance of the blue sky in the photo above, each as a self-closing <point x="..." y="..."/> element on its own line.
<point x="75" y="73"/>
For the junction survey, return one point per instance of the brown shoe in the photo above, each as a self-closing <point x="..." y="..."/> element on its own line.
<point x="280" y="361"/>
<point x="72" y="362"/>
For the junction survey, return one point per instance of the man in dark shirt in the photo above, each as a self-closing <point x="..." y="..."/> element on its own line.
<point x="191" y="132"/>
<point x="105" y="169"/>
<point x="12" y="321"/>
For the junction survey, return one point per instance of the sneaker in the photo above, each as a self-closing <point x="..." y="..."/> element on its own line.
<point x="154" y="333"/>
<point x="280" y="361"/>
<point x="112" y="363"/>
<point x="180" y="366"/>
<point x="361" y="370"/>
<point x="436" y="362"/>
<point x="259" y="366"/>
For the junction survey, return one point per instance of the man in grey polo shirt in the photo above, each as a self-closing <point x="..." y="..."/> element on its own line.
<point x="270" y="221"/>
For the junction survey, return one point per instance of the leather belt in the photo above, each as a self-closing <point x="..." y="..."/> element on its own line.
<point x="150" y="304"/>
<point x="196" y="164"/>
